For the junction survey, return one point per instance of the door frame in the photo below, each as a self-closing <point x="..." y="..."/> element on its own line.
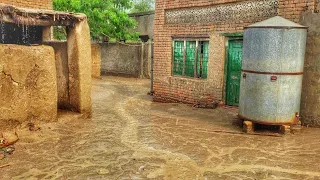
<point x="229" y="37"/>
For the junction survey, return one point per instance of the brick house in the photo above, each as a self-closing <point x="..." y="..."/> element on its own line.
<point x="37" y="4"/>
<point x="198" y="45"/>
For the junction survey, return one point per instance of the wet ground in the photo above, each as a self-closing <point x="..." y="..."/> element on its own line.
<point x="131" y="137"/>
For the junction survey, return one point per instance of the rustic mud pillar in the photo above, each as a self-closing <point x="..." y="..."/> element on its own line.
<point x="96" y="60"/>
<point x="142" y="49"/>
<point x="79" y="61"/>
<point x="47" y="34"/>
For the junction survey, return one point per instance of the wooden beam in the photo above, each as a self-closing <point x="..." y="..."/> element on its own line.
<point x="35" y="22"/>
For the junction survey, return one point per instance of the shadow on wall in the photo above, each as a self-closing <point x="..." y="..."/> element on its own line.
<point x="61" y="59"/>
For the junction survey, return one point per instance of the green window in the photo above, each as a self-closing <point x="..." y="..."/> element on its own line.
<point x="203" y="56"/>
<point x="178" y="57"/>
<point x="190" y="58"/>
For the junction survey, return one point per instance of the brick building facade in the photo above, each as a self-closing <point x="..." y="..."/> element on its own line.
<point x="37" y="4"/>
<point x="189" y="23"/>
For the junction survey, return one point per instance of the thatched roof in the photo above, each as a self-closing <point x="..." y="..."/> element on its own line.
<point x="38" y="17"/>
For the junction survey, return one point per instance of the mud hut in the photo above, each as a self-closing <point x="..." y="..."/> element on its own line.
<point x="35" y="80"/>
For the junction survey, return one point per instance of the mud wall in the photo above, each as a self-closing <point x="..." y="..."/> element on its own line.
<point x="28" y="84"/>
<point x="80" y="68"/>
<point x="310" y="104"/>
<point x="61" y="60"/>
<point x="62" y="67"/>
<point x="131" y="60"/>
<point x="96" y="60"/>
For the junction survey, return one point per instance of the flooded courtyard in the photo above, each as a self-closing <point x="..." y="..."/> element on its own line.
<point x="131" y="137"/>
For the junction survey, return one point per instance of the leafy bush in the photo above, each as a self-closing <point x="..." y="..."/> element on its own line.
<point x="106" y="18"/>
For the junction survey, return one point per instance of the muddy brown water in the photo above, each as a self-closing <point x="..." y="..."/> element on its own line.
<point x="131" y="137"/>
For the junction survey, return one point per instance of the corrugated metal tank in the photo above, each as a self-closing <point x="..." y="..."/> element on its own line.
<point x="272" y="71"/>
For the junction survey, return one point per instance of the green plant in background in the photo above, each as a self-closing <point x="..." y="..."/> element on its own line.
<point x="106" y="18"/>
<point x="59" y="33"/>
<point x="142" y="6"/>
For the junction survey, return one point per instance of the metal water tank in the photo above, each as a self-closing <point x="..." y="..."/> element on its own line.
<point x="272" y="71"/>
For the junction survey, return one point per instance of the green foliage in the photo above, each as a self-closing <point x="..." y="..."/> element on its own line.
<point x="106" y="18"/>
<point x="60" y="33"/>
<point x="142" y="6"/>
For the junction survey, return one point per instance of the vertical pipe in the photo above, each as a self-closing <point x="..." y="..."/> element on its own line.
<point x="142" y="48"/>
<point x="148" y="60"/>
<point x="152" y="67"/>
<point x="172" y="58"/>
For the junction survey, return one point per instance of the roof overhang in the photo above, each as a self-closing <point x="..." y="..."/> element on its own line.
<point x="38" y="17"/>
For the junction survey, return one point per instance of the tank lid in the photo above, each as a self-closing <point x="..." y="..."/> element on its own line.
<point x="277" y="22"/>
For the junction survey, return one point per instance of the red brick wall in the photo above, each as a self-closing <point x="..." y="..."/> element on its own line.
<point x="292" y="9"/>
<point x="178" y="89"/>
<point x="38" y="4"/>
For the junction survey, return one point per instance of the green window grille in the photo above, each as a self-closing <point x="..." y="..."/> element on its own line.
<point x="178" y="61"/>
<point x="190" y="58"/>
<point x="202" y="61"/>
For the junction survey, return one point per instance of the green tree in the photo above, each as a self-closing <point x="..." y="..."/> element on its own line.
<point x="106" y="18"/>
<point x="142" y="6"/>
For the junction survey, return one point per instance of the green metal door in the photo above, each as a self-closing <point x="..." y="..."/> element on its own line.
<point x="234" y="72"/>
